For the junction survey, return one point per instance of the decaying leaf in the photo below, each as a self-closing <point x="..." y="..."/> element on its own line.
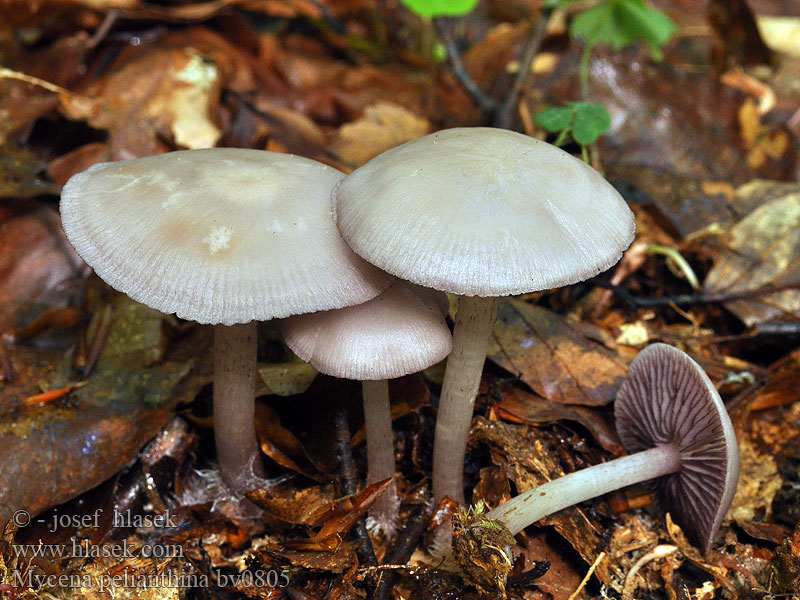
<point x="781" y="387"/>
<point x="383" y="126"/>
<point x="284" y="379"/>
<point x="758" y="483"/>
<point x="762" y="249"/>
<point x="37" y="263"/>
<point x="528" y="465"/>
<point x="518" y="406"/>
<point x="20" y="174"/>
<point x="71" y="448"/>
<point x="553" y="356"/>
<point x="338" y="517"/>
<point x="172" y="90"/>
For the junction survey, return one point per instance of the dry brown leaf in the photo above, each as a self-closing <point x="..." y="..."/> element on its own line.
<point x="553" y="356"/>
<point x="782" y="386"/>
<point x="762" y="249"/>
<point x="519" y="406"/>
<point x="162" y="92"/>
<point x="384" y="125"/>
<point x="759" y="481"/>
<point x="37" y="264"/>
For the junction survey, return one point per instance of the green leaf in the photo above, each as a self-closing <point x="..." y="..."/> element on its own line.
<point x="598" y="25"/>
<point x="555" y="118"/>
<point x="648" y="24"/>
<point x="591" y="120"/>
<point x="440" y="8"/>
<point x="620" y="23"/>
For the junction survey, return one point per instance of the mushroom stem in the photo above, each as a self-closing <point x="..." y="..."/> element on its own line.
<point x="473" y="326"/>
<point x="234" y="406"/>
<point x="380" y="450"/>
<point x="535" y="504"/>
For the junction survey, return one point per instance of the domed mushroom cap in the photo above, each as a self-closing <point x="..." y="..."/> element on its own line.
<point x="401" y="331"/>
<point x="217" y="236"/>
<point x="667" y="398"/>
<point x="483" y="212"/>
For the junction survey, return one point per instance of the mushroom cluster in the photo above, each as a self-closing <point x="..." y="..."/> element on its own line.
<point x="230" y="237"/>
<point x="482" y="213"/>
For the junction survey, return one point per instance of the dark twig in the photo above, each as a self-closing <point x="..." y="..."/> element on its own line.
<point x="6" y="367"/>
<point x="684" y="299"/>
<point x="401" y="550"/>
<point x="347" y="470"/>
<point x="503" y="116"/>
<point x="486" y="104"/>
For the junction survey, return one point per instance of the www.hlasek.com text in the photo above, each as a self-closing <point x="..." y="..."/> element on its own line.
<point x="80" y="549"/>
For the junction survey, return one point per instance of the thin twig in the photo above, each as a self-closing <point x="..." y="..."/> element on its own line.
<point x="105" y="27"/>
<point x="683" y="299"/>
<point x="589" y="573"/>
<point x="349" y="479"/>
<point x="486" y="104"/>
<point x="502" y="117"/>
<point x="401" y="550"/>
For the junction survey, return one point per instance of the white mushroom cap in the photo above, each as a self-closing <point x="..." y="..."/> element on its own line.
<point x="401" y="331"/>
<point x="217" y="236"/>
<point x="483" y="212"/>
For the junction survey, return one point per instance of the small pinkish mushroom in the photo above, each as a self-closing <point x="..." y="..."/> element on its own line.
<point x="401" y="331"/>
<point x="673" y="422"/>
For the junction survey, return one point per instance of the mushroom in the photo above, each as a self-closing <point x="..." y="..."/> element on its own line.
<point x="673" y="422"/>
<point x="481" y="213"/>
<point x="401" y="331"/>
<point x="225" y="237"/>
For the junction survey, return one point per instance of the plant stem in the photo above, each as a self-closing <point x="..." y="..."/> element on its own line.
<point x="234" y="404"/>
<point x="535" y="504"/>
<point x="473" y="326"/>
<point x="380" y="449"/>
<point x="486" y="104"/>
<point x="583" y="71"/>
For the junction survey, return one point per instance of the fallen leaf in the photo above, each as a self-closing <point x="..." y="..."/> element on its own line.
<point x="338" y="517"/>
<point x="759" y="482"/>
<point x="518" y="406"/>
<point x="553" y="356"/>
<point x="20" y="175"/>
<point x="762" y="249"/>
<point x="71" y="448"/>
<point x="37" y="264"/>
<point x="284" y="379"/>
<point x="782" y="386"/>
<point x="160" y="92"/>
<point x="383" y="126"/>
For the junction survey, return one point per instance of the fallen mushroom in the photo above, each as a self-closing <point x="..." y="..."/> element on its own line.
<point x="673" y="422"/>
<point x="225" y="237"/>
<point x="482" y="213"/>
<point x="401" y="331"/>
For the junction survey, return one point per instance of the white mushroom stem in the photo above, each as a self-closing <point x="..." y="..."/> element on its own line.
<point x="473" y="326"/>
<point x="380" y="449"/>
<point x="535" y="504"/>
<point x="234" y="404"/>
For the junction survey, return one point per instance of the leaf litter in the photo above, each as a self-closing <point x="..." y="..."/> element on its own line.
<point x="708" y="175"/>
